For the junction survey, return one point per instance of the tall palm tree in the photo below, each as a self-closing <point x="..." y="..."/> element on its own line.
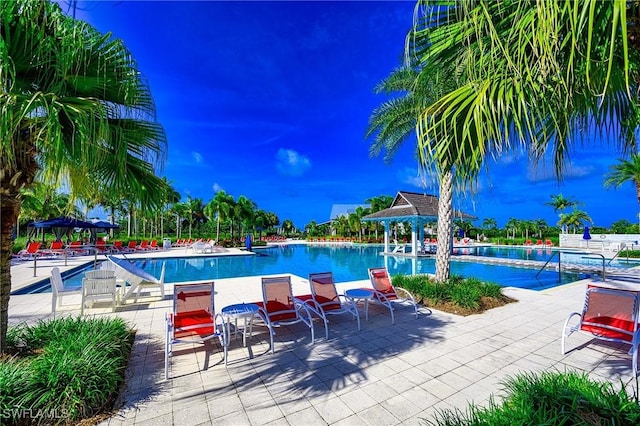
<point x="560" y="203"/>
<point x="395" y="120"/>
<point x="73" y="105"/>
<point x="625" y="171"/>
<point x="221" y="204"/>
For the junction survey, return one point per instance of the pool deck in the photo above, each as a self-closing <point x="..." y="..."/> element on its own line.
<point x="384" y="374"/>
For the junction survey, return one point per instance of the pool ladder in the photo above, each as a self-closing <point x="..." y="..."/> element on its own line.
<point x="588" y="255"/>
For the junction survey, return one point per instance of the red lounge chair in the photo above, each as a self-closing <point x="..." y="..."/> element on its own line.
<point x="154" y="245"/>
<point x="101" y="245"/>
<point x="131" y="247"/>
<point x="144" y="245"/>
<point x="193" y="319"/>
<point x="548" y="243"/>
<point x="117" y="246"/>
<point x="279" y="307"/>
<point x="386" y="294"/>
<point x="609" y="314"/>
<point x="32" y="249"/>
<point x="77" y="249"/>
<point x="324" y="299"/>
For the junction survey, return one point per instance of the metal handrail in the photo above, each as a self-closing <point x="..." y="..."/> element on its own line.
<point x="604" y="270"/>
<point x="547" y="262"/>
<point x="558" y="253"/>
<point x="623" y="246"/>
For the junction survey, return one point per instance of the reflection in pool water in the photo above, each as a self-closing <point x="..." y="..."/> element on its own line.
<point x="348" y="263"/>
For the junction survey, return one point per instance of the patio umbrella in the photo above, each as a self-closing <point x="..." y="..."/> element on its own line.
<point x="586" y="236"/>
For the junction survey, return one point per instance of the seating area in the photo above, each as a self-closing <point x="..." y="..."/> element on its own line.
<point x="428" y="368"/>
<point x="610" y="313"/>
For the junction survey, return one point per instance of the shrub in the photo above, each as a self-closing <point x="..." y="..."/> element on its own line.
<point x="69" y="366"/>
<point x="466" y="293"/>
<point x="551" y="398"/>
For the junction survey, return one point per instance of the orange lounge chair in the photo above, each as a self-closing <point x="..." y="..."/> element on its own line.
<point x="132" y="246"/>
<point x="193" y="319"/>
<point x="386" y="294"/>
<point x="279" y="307"/>
<point x="609" y="314"/>
<point x="548" y="243"/>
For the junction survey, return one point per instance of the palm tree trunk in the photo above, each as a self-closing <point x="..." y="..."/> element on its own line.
<point x="218" y="228"/>
<point x="445" y="216"/>
<point x="9" y="210"/>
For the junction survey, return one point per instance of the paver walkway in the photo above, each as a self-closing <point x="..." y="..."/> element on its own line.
<point x="385" y="374"/>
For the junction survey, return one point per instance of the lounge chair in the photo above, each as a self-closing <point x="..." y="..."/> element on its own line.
<point x="193" y="319"/>
<point x="77" y="248"/>
<point x="609" y="314"/>
<point x="399" y="248"/>
<point x="58" y="291"/>
<point x="117" y="247"/>
<point x="386" y="294"/>
<point x="279" y="307"/>
<point x="131" y="246"/>
<point x="137" y="278"/>
<point x="97" y="285"/>
<point x="32" y="250"/>
<point x="324" y="299"/>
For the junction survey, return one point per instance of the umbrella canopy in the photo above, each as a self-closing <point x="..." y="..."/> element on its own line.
<point x="105" y="225"/>
<point x="63" y="222"/>
<point x="60" y="226"/>
<point x="586" y="235"/>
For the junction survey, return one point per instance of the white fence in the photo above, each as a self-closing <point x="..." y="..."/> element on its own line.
<point x="604" y="242"/>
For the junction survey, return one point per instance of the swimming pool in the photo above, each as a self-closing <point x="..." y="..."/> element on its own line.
<point x="348" y="263"/>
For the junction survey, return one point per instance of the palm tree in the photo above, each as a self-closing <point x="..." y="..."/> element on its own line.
<point x="287" y="226"/>
<point x="512" y="225"/>
<point x="625" y="171"/>
<point x="575" y="219"/>
<point x="395" y="120"/>
<point x="73" y="105"/>
<point x="528" y="74"/>
<point x="221" y="205"/>
<point x="560" y="204"/>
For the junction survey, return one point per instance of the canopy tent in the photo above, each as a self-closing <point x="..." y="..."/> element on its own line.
<point x="61" y="226"/>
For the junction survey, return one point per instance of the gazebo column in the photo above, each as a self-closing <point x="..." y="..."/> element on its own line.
<point x="420" y="232"/>
<point x="414" y="238"/>
<point x="386" y="235"/>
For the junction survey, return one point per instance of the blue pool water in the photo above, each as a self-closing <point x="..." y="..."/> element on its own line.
<point x="346" y="263"/>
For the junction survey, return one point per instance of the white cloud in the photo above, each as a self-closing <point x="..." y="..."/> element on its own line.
<point x="197" y="157"/>
<point x="217" y="187"/>
<point x="291" y="163"/>
<point x="416" y="178"/>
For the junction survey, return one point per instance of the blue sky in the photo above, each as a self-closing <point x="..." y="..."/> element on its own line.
<point x="271" y="100"/>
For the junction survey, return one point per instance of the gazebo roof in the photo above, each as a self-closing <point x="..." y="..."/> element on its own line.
<point x="410" y="205"/>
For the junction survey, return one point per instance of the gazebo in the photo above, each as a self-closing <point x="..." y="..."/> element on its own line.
<point x="414" y="208"/>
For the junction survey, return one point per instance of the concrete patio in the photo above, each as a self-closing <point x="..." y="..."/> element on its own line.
<point x="384" y="374"/>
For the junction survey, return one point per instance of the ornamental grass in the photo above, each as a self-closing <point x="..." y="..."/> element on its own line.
<point x="63" y="370"/>
<point x="549" y="398"/>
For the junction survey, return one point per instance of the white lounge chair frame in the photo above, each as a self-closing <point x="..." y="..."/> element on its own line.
<point x="609" y="314"/>
<point x="389" y="298"/>
<point x="294" y="309"/>
<point x="137" y="278"/>
<point x="325" y="299"/>
<point x="199" y="298"/>
<point x="58" y="291"/>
